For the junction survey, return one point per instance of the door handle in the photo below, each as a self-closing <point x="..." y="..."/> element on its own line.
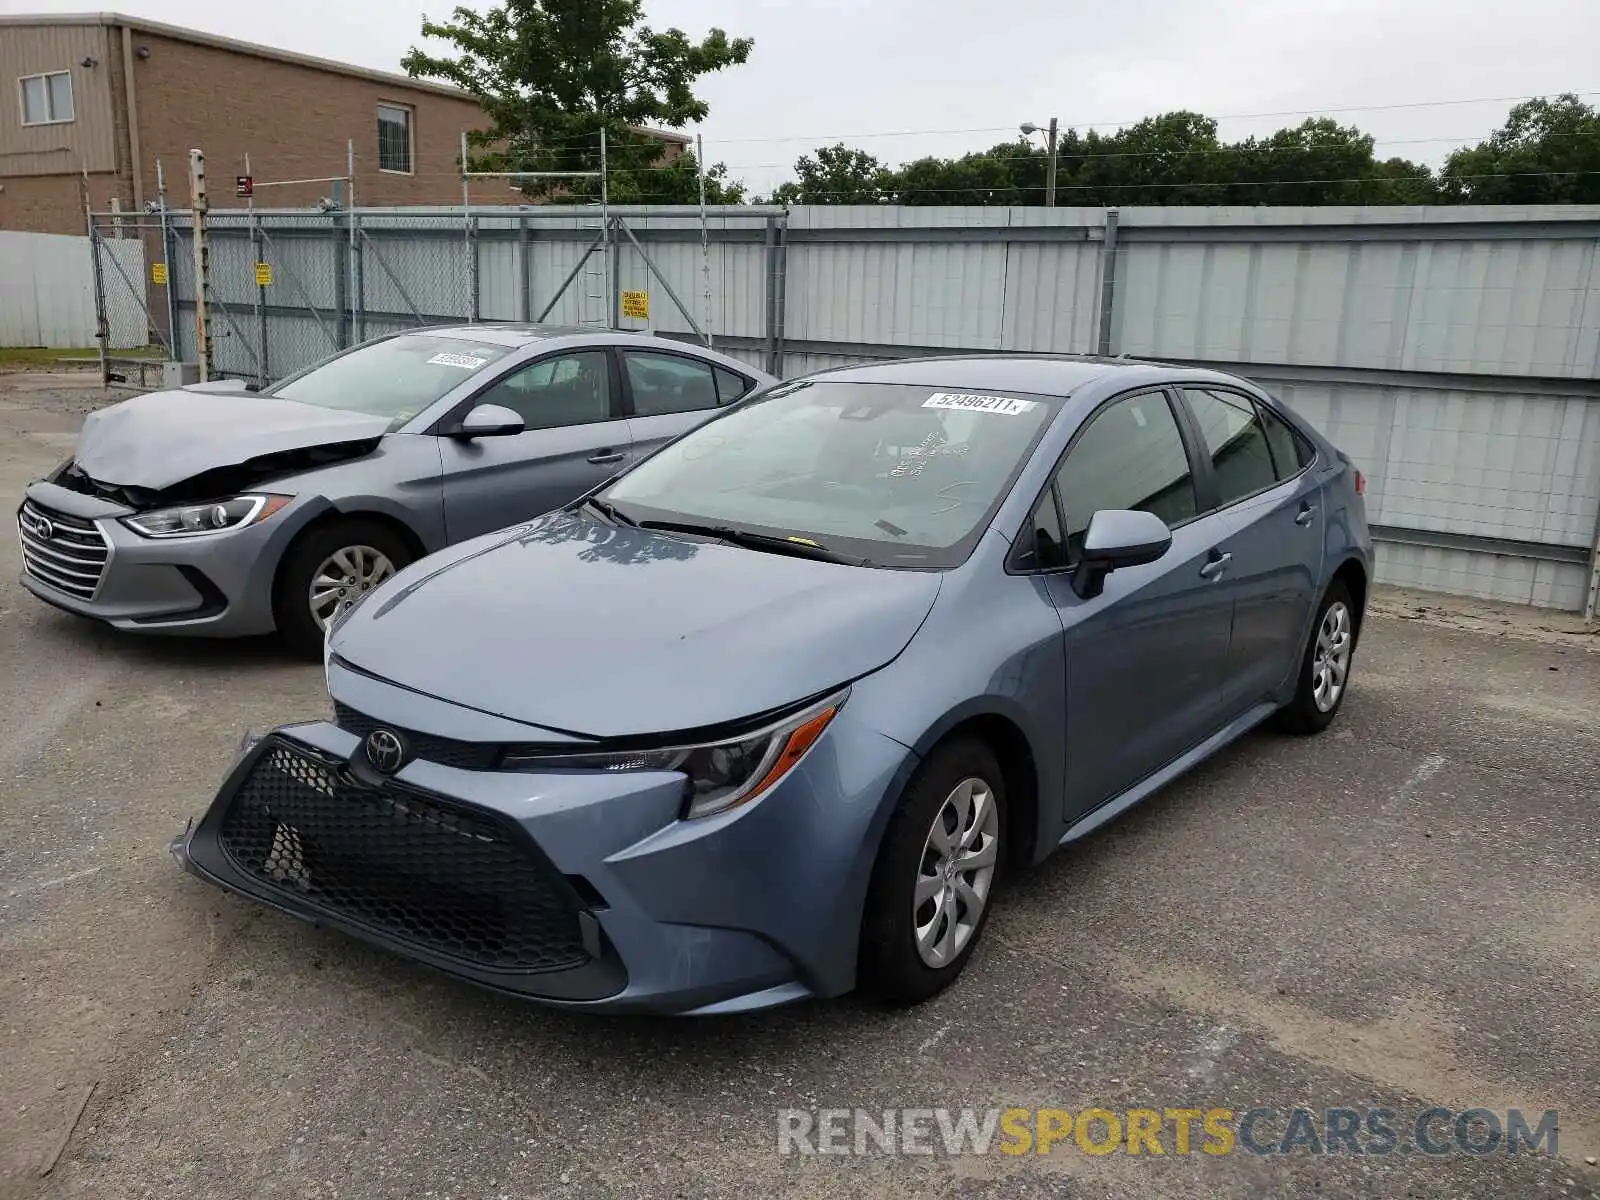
<point x="1307" y="511"/>
<point x="1216" y="566"/>
<point x="607" y="456"/>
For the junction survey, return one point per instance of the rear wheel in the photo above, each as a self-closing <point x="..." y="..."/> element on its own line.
<point x="1325" y="665"/>
<point x="327" y="571"/>
<point x="929" y="897"/>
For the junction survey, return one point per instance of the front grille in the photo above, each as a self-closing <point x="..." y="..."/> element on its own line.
<point x="71" y="559"/>
<point x="448" y="752"/>
<point x="442" y="876"/>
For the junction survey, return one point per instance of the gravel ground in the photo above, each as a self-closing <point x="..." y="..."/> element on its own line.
<point x="1401" y="913"/>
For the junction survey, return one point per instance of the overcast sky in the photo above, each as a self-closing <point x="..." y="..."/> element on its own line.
<point x="946" y="76"/>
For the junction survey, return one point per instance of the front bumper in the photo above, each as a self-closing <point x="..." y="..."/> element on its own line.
<point x="645" y="912"/>
<point x="218" y="586"/>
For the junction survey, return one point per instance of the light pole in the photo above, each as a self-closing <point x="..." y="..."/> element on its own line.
<point x="1050" y="163"/>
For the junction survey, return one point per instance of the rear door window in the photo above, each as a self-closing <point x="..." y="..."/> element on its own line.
<point x="1236" y="439"/>
<point x="668" y="383"/>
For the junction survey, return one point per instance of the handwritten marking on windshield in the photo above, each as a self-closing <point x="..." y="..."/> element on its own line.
<point x="913" y="460"/>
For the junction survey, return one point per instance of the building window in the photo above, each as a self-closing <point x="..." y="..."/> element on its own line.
<point x="394" y="138"/>
<point x="46" y="99"/>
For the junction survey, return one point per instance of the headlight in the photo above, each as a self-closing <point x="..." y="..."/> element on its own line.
<point x="719" y="775"/>
<point x="198" y="520"/>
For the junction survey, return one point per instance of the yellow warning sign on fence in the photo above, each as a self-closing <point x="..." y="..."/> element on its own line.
<point x="158" y="273"/>
<point x="636" y="304"/>
<point x="263" y="274"/>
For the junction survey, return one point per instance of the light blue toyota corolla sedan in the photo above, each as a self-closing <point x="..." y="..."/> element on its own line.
<point x="768" y="716"/>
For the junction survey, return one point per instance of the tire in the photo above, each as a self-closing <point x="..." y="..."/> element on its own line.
<point x="1310" y="711"/>
<point x="363" y="542"/>
<point x="892" y="966"/>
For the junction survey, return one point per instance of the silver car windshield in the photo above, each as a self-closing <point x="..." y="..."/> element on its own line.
<point x="896" y="474"/>
<point x="395" y="378"/>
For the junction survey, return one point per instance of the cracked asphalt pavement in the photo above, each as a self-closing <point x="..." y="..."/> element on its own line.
<point x="1401" y="913"/>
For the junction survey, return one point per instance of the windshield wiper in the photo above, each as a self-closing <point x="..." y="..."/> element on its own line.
<point x="758" y="541"/>
<point x="610" y="512"/>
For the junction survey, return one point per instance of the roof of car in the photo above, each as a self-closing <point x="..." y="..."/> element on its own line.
<point x="517" y="334"/>
<point x="1044" y="374"/>
<point x="503" y="333"/>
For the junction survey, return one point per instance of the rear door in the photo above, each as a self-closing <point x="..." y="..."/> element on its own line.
<point x="666" y="394"/>
<point x="1144" y="658"/>
<point x="574" y="438"/>
<point x="1274" y="508"/>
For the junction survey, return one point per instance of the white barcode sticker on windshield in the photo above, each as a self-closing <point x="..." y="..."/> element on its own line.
<point x="465" y="361"/>
<point x="1008" y="406"/>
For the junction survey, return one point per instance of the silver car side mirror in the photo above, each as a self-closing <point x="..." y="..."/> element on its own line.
<point x="489" y="420"/>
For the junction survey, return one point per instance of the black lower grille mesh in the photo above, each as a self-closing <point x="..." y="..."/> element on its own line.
<point x="446" y="877"/>
<point x="447" y="752"/>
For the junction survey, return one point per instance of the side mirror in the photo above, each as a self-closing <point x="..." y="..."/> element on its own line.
<point x="488" y="420"/>
<point x="1118" y="538"/>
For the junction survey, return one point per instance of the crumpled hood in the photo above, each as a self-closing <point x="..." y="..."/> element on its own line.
<point x="162" y="438"/>
<point x="611" y="632"/>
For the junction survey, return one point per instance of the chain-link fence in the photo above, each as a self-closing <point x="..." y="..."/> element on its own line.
<point x="285" y="289"/>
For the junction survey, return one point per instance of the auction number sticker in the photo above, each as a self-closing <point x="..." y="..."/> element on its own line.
<point x="1008" y="406"/>
<point x="465" y="361"/>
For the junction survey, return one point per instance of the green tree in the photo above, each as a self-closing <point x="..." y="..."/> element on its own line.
<point x="1547" y="152"/>
<point x="1010" y="173"/>
<point x="1319" y="161"/>
<point x="1172" y="158"/>
<point x="835" y="175"/>
<point x="551" y="74"/>
<point x="676" y="182"/>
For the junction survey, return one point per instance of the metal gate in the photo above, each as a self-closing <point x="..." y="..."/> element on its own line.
<point x="134" y="317"/>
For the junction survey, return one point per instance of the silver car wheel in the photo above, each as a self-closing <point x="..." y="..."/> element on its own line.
<point x="344" y="577"/>
<point x="1330" y="661"/>
<point x="957" y="869"/>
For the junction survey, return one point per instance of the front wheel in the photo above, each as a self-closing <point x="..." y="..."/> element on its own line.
<point x="1325" y="665"/>
<point x="929" y="897"/>
<point x="326" y="572"/>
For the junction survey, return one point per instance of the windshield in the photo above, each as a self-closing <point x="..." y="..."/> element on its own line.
<point x="395" y="378"/>
<point x="900" y="475"/>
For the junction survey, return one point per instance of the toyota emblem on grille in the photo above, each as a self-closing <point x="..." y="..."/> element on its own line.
<point x="386" y="751"/>
<point x="43" y="528"/>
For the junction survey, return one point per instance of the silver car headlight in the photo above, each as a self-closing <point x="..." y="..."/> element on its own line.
<point x="719" y="775"/>
<point x="201" y="520"/>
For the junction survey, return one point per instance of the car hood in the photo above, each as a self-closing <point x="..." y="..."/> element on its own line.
<point x="606" y="632"/>
<point x="163" y="438"/>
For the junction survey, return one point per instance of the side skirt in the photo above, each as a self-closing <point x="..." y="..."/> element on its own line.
<point x="1151" y="783"/>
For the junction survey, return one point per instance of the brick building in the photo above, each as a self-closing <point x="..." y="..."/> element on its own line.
<point x="108" y="96"/>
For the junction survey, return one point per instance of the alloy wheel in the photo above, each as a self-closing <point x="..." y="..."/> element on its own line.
<point x="956" y="872"/>
<point x="1330" y="661"/>
<point x="344" y="577"/>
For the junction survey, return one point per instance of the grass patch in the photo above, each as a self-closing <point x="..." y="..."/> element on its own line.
<point x="44" y="357"/>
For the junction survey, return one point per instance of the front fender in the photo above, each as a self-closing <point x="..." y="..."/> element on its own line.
<point x="991" y="648"/>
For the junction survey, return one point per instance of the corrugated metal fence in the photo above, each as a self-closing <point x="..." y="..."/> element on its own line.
<point x="47" y="291"/>
<point x="1454" y="352"/>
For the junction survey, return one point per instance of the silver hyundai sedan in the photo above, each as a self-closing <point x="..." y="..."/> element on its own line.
<point x="217" y="510"/>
